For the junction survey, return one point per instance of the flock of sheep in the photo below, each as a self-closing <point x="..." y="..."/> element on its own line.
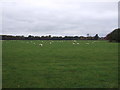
<point x="74" y="42"/>
<point x="42" y="43"/>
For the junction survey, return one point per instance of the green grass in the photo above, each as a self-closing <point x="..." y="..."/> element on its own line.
<point x="60" y="65"/>
<point x="0" y="64"/>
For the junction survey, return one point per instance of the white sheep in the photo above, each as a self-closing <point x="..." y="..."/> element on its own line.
<point x="75" y="41"/>
<point x="87" y="43"/>
<point x="41" y="45"/>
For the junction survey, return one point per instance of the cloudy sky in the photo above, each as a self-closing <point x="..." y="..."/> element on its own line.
<point x="58" y="17"/>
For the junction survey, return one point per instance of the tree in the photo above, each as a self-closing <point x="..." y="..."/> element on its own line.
<point x="30" y="37"/>
<point x="96" y="37"/>
<point x="114" y="35"/>
<point x="88" y="35"/>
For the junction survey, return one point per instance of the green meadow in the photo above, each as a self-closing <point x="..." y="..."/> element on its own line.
<point x="59" y="64"/>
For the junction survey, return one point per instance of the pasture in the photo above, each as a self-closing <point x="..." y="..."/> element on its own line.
<point x="59" y="64"/>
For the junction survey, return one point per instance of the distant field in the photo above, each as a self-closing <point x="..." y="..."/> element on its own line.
<point x="60" y="64"/>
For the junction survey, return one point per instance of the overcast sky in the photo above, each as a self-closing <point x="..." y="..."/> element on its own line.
<point x="58" y="17"/>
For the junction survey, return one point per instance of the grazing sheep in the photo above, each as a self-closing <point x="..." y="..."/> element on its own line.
<point x="77" y="43"/>
<point x="87" y="43"/>
<point x="41" y="45"/>
<point x="73" y="43"/>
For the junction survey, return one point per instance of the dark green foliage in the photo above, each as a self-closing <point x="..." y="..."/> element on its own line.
<point x="114" y="36"/>
<point x="96" y="37"/>
<point x="30" y="37"/>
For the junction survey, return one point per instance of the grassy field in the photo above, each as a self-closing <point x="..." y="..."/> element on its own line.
<point x="61" y="64"/>
<point x="0" y="64"/>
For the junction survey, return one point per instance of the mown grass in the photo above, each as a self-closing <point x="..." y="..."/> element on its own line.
<point x="0" y="64"/>
<point x="60" y="64"/>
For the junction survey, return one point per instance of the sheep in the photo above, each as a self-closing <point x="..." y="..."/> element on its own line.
<point x="87" y="43"/>
<point x="41" y="45"/>
<point x="75" y="41"/>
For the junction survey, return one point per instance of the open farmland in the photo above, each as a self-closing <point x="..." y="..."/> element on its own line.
<point x="59" y="64"/>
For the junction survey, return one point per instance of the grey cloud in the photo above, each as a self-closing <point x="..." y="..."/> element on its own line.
<point x="60" y="18"/>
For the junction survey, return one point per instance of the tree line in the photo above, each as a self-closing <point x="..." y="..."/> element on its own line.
<point x="113" y="36"/>
<point x="30" y="37"/>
